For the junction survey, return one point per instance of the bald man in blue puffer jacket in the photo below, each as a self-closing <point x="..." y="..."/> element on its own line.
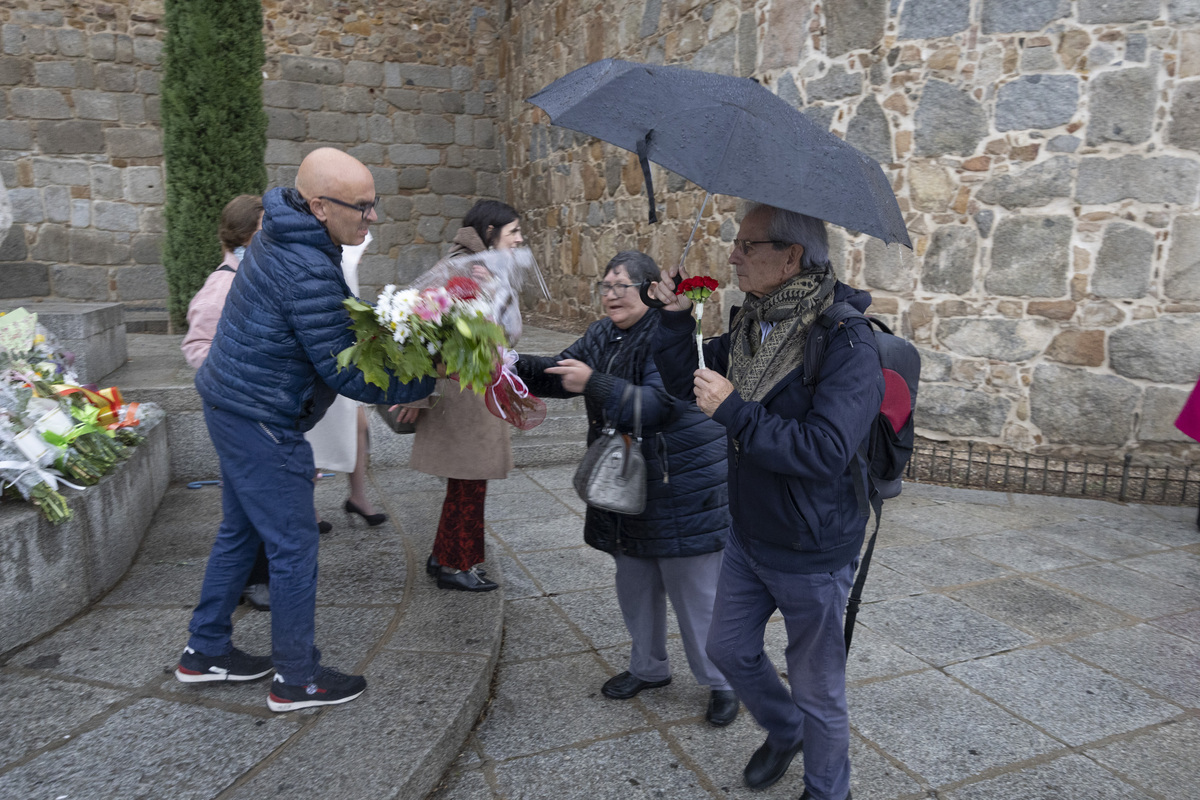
<point x="270" y="376"/>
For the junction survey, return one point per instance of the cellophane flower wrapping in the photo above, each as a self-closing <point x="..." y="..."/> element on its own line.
<point x="53" y="431"/>
<point x="461" y="314"/>
<point x="698" y="289"/>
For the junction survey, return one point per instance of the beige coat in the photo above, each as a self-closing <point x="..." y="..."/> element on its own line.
<point x="458" y="437"/>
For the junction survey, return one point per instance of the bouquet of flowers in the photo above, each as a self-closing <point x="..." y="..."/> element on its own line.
<point x="50" y="426"/>
<point x="698" y="289"/>
<point x="460" y="314"/>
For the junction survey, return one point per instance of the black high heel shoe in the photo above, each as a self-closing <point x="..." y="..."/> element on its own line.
<point x="371" y="519"/>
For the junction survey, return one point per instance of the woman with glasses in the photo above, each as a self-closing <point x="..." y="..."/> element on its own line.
<point x="673" y="548"/>
<point x="458" y="438"/>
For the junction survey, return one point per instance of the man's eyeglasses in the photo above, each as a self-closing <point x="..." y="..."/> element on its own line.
<point x="618" y="289"/>
<point x="362" y="208"/>
<point x="746" y="245"/>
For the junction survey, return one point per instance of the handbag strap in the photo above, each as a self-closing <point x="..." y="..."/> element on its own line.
<point x="637" y="409"/>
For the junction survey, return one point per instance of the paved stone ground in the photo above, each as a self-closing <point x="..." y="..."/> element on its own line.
<point x="93" y="711"/>
<point x="1011" y="646"/>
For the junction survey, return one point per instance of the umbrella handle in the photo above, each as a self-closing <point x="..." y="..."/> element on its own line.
<point x="647" y="298"/>
<point x="691" y="236"/>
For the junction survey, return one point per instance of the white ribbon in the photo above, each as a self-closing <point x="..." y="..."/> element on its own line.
<point x="50" y="477"/>
<point x="508" y="360"/>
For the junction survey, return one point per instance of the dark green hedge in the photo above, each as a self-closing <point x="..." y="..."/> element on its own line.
<point x="214" y="131"/>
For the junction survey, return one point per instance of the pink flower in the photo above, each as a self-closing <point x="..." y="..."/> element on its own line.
<point x="433" y="304"/>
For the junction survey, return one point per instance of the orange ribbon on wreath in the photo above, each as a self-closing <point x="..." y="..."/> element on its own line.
<point x="109" y="401"/>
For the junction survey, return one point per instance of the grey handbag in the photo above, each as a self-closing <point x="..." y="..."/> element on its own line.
<point x="612" y="476"/>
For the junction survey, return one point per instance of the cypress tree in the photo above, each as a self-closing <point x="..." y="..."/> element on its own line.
<point x="214" y="131"/>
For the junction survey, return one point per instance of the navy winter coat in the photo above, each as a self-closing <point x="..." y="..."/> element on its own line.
<point x="687" y="512"/>
<point x="273" y="358"/>
<point x="791" y="485"/>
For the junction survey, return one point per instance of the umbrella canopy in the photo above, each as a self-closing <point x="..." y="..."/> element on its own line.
<point x="729" y="136"/>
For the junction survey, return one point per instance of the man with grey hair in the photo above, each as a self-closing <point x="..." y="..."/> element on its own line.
<point x="792" y="444"/>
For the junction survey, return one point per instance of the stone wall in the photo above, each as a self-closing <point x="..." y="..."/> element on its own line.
<point x="407" y="87"/>
<point x="1044" y="153"/>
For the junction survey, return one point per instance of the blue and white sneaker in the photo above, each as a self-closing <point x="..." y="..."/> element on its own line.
<point x="329" y="688"/>
<point x="234" y="666"/>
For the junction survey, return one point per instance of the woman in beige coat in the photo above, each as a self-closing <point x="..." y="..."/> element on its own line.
<point x="458" y="438"/>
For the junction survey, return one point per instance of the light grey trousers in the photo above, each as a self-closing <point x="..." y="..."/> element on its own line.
<point x="643" y="586"/>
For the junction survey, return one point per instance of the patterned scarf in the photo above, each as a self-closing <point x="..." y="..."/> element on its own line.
<point x="754" y="367"/>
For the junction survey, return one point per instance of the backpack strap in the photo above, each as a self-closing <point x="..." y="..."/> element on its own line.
<point x="860" y="579"/>
<point x="818" y="342"/>
<point x="820" y="336"/>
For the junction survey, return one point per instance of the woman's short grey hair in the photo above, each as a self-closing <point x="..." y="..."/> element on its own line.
<point x="640" y="266"/>
<point x="791" y="227"/>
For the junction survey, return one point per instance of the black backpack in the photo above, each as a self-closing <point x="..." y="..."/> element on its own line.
<point x="890" y="443"/>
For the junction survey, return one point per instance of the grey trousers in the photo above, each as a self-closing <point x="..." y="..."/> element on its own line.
<point x="643" y="586"/>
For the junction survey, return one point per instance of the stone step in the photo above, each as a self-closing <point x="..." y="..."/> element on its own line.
<point x="574" y="425"/>
<point x="558" y="440"/>
<point x="547" y="450"/>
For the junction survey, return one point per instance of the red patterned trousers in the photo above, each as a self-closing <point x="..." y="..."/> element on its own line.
<point x="459" y="541"/>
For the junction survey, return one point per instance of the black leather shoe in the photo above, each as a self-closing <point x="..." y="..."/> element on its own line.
<point x="432" y="566"/>
<point x="768" y="765"/>
<point x="464" y="580"/>
<point x="722" y="707"/>
<point x="625" y="686"/>
<point x="371" y="519"/>
<point x="807" y="796"/>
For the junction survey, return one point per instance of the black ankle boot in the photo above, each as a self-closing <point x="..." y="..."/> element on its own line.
<point x="464" y="580"/>
<point x="432" y="566"/>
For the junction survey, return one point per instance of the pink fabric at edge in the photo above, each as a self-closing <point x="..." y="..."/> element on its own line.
<point x="204" y="312"/>
<point x="1189" y="417"/>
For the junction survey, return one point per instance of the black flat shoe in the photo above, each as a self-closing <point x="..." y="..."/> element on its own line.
<point x="625" y="686"/>
<point x="258" y="595"/>
<point x="432" y="566"/>
<point x="371" y="519"/>
<point x="722" y="707"/>
<point x="464" y="580"/>
<point x="324" y="527"/>
<point x="768" y="765"/>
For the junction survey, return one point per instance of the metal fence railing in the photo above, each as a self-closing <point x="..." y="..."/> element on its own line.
<point x="986" y="468"/>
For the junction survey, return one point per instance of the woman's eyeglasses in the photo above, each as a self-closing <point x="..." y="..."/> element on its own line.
<point x="362" y="208"/>
<point x="618" y="289"/>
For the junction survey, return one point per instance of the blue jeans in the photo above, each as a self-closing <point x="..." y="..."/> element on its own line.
<point x="267" y="497"/>
<point x="815" y="711"/>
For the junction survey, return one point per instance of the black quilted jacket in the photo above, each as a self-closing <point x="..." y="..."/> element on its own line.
<point x="687" y="498"/>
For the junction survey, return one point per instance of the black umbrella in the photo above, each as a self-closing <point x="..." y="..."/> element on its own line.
<point x="729" y="136"/>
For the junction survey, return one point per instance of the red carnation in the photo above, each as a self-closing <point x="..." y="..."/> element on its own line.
<point x="697" y="288"/>
<point x="462" y="288"/>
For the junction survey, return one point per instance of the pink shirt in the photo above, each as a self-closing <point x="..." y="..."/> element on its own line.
<point x="204" y="312"/>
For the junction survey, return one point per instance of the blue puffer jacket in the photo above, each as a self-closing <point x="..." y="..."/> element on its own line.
<point x="687" y="506"/>
<point x="273" y="358"/>
<point x="791" y="485"/>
